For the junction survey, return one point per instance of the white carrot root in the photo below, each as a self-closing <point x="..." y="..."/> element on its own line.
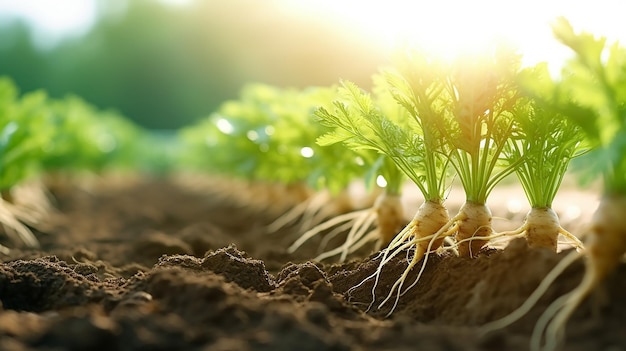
<point x="31" y="203"/>
<point x="16" y="230"/>
<point x="534" y="297"/>
<point x="309" y="212"/>
<point x="605" y="247"/>
<point x="542" y="228"/>
<point x="424" y="234"/>
<point x="474" y="226"/>
<point x="389" y="217"/>
<point x="388" y="214"/>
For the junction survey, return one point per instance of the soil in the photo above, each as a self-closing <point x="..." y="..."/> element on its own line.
<point x="168" y="264"/>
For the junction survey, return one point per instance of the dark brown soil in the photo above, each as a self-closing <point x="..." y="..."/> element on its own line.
<point x="150" y="264"/>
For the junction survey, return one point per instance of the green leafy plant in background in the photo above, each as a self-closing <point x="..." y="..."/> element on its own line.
<point x="268" y="135"/>
<point x="90" y="139"/>
<point x="591" y="93"/>
<point x="24" y="132"/>
<point x="39" y="136"/>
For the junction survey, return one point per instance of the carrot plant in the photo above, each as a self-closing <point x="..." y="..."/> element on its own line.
<point x="90" y="140"/>
<point x="598" y="86"/>
<point x="411" y="140"/>
<point x="386" y="213"/>
<point x="24" y="131"/>
<point x="545" y="141"/>
<point x="477" y="123"/>
<point x="592" y="95"/>
<point x="39" y="136"/>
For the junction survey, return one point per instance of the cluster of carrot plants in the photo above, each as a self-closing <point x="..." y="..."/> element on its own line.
<point x="41" y="137"/>
<point x="479" y="118"/>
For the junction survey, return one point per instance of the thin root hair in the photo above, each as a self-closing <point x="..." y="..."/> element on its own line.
<point x="534" y="296"/>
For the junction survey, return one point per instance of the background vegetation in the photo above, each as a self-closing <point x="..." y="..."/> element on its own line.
<point x="166" y="66"/>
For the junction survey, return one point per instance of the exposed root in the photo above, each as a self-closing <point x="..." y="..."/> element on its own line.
<point x="309" y="212"/>
<point x="31" y="203"/>
<point x="474" y="221"/>
<point x="534" y="297"/>
<point x="16" y="230"/>
<point x="387" y="213"/>
<point x="605" y="247"/>
<point x="346" y="218"/>
<point x="541" y="228"/>
<point x="389" y="217"/>
<point x="571" y="240"/>
<point x="423" y="235"/>
<point x="357" y="237"/>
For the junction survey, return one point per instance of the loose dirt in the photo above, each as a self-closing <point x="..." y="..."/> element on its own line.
<point x="168" y="264"/>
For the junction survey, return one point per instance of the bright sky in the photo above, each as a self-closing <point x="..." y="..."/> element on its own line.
<point x="443" y="25"/>
<point x="53" y="19"/>
<point x="450" y="25"/>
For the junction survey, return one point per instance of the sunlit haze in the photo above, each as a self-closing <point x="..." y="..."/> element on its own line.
<point x="449" y="26"/>
<point x="444" y="26"/>
<point x="52" y="20"/>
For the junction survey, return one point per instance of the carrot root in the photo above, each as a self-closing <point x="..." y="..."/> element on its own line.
<point x="605" y="246"/>
<point x="423" y="234"/>
<point x="474" y="224"/>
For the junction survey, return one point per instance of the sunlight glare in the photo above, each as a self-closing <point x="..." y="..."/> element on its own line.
<point x="52" y="20"/>
<point x="450" y="27"/>
<point x="381" y="181"/>
<point x="225" y="126"/>
<point x="307" y="152"/>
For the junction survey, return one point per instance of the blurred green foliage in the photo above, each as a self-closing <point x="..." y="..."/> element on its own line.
<point x="43" y="135"/>
<point x="168" y="66"/>
<point x="270" y="134"/>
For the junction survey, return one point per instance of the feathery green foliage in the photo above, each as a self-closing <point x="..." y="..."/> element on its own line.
<point x="361" y="123"/>
<point x="595" y="82"/>
<point x="477" y="95"/>
<point x="544" y="139"/>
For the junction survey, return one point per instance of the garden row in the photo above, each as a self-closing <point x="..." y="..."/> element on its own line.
<point x="479" y="118"/>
